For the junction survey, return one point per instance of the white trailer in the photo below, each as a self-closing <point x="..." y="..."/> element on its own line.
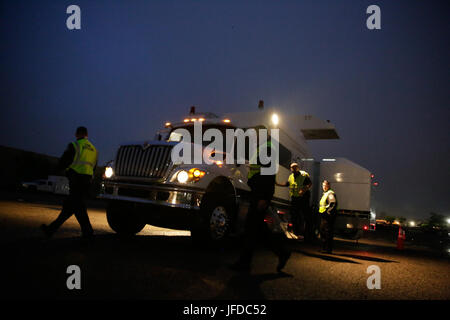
<point x="352" y="185"/>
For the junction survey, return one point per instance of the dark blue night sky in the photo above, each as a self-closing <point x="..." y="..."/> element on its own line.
<point x="136" y="64"/>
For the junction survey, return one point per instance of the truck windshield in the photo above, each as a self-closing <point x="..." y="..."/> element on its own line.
<point x="177" y="137"/>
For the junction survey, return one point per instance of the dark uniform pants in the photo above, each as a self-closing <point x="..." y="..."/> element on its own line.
<point x="301" y="216"/>
<point x="256" y="229"/>
<point x="327" y="230"/>
<point x="75" y="203"/>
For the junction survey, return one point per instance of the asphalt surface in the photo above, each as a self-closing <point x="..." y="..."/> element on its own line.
<point x="163" y="264"/>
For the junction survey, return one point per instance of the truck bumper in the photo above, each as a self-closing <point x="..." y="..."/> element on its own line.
<point x="156" y="194"/>
<point x="162" y="205"/>
<point x="150" y="202"/>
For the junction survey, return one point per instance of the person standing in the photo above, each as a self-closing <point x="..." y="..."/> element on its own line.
<point x="328" y="212"/>
<point x="299" y="184"/>
<point x="79" y="160"/>
<point x="256" y="229"/>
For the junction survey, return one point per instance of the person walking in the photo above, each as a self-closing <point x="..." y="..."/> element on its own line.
<point x="79" y="161"/>
<point x="256" y="229"/>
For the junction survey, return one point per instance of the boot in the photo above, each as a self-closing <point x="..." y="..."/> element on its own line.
<point x="282" y="260"/>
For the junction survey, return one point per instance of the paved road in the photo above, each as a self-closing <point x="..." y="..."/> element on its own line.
<point x="164" y="264"/>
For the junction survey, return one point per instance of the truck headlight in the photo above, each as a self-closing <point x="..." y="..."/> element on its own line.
<point x="109" y="172"/>
<point x="182" y="176"/>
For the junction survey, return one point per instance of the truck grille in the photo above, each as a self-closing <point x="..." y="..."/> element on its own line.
<point x="135" y="161"/>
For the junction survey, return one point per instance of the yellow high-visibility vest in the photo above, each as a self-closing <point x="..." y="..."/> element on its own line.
<point x="323" y="201"/>
<point x="256" y="168"/>
<point x="296" y="183"/>
<point x="85" y="157"/>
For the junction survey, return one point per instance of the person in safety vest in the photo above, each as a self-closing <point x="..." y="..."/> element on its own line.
<point x="299" y="184"/>
<point x="328" y="212"/>
<point x="79" y="161"/>
<point x="256" y="229"/>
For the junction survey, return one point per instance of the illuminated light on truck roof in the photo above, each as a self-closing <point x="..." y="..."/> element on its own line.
<point x="275" y="119"/>
<point x="329" y="160"/>
<point x="193" y="120"/>
<point x="226" y="120"/>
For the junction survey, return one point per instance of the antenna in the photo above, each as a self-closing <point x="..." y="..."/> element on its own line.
<point x="261" y="104"/>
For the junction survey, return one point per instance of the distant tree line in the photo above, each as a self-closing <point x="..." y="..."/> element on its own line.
<point x="18" y="165"/>
<point x="434" y="221"/>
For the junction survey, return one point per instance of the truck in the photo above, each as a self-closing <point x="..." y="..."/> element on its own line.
<point x="143" y="185"/>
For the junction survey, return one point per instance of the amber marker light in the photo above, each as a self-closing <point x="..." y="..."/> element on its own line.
<point x="196" y="174"/>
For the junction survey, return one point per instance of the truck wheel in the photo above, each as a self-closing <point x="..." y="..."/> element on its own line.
<point x="215" y="223"/>
<point x="123" y="220"/>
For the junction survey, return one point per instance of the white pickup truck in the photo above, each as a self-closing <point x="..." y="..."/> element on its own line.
<point x="53" y="184"/>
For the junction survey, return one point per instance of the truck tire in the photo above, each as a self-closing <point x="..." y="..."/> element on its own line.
<point x="123" y="219"/>
<point x="216" y="220"/>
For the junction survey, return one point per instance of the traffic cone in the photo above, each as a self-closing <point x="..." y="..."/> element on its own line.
<point x="401" y="238"/>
